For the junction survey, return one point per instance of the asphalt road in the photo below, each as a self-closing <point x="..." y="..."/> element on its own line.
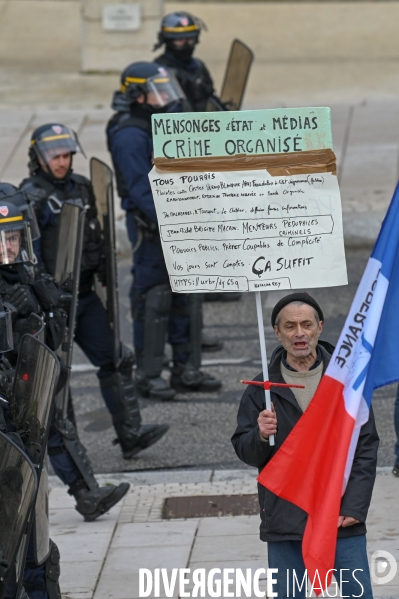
<point x="201" y="425"/>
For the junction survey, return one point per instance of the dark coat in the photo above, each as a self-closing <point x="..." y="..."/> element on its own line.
<point x="47" y="195"/>
<point x="132" y="151"/>
<point x="280" y="519"/>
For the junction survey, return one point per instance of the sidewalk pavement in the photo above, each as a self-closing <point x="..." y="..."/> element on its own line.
<point x="101" y="559"/>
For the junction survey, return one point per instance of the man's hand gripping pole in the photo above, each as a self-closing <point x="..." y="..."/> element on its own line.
<point x="266" y="386"/>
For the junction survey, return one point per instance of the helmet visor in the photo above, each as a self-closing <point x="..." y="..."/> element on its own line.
<point x="52" y="144"/>
<point x="163" y="90"/>
<point x="29" y="215"/>
<point x="20" y="200"/>
<point x="15" y="243"/>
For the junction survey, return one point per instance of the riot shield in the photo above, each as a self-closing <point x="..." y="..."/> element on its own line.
<point x="101" y="179"/>
<point x="18" y="485"/>
<point x="69" y="242"/>
<point x="35" y="380"/>
<point x="36" y="375"/>
<point x="36" y="325"/>
<point x="67" y="274"/>
<point x="41" y="524"/>
<point x="236" y="75"/>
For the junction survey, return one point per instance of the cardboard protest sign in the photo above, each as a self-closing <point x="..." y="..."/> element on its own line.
<point x="200" y="135"/>
<point x="248" y="231"/>
<point x="270" y="219"/>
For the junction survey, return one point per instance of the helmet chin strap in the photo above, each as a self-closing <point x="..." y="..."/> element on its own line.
<point x="148" y="108"/>
<point x="183" y="53"/>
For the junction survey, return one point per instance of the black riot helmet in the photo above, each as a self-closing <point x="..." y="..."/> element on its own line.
<point x="179" y="25"/>
<point x="10" y="193"/>
<point x="157" y="83"/>
<point x="15" y="236"/>
<point x="49" y="141"/>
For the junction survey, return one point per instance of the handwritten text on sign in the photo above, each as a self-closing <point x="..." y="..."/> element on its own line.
<point x="249" y="231"/>
<point x="276" y="131"/>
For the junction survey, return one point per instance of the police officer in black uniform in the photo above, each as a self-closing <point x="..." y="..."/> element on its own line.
<point x="147" y="89"/>
<point x="52" y="182"/>
<point x="40" y="581"/>
<point x="17" y="302"/>
<point x="180" y="33"/>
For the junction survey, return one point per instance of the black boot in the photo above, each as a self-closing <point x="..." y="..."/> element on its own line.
<point x="71" y="411"/>
<point x="131" y="440"/>
<point x="153" y="387"/>
<point x="93" y="503"/>
<point x="186" y="377"/>
<point x="131" y="434"/>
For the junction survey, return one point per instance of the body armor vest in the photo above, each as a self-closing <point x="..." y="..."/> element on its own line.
<point x="54" y="197"/>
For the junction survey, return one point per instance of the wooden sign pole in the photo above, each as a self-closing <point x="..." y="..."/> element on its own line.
<point x="263" y="353"/>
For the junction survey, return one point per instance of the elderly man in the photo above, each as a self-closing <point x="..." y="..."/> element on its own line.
<point x="301" y="359"/>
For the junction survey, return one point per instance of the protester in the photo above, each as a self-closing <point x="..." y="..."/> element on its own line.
<point x="301" y="359"/>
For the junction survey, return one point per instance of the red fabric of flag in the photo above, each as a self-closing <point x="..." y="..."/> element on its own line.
<point x="308" y="470"/>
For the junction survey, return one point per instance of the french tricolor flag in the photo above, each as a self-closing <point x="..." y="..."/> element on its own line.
<point x="312" y="467"/>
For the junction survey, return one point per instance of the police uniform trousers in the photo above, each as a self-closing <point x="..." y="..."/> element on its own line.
<point x="93" y="334"/>
<point x="149" y="270"/>
<point x="34" y="574"/>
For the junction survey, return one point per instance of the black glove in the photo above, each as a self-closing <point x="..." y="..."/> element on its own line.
<point x="149" y="228"/>
<point x="47" y="291"/>
<point x="22" y="299"/>
<point x="55" y="329"/>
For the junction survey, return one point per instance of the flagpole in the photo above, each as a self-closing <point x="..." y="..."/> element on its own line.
<point x="263" y="354"/>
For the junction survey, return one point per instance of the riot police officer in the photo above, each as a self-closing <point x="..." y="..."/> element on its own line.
<point x="25" y="296"/>
<point x="50" y="184"/>
<point x="40" y="580"/>
<point x="147" y="89"/>
<point x="180" y="33"/>
<point x="16" y="257"/>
